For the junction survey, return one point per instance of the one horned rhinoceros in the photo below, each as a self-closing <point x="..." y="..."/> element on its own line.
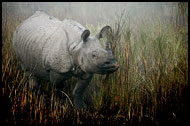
<point x="56" y="50"/>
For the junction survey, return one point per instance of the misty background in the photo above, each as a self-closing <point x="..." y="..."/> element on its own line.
<point x="95" y="13"/>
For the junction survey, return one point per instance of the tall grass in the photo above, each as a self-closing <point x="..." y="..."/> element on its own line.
<point x="147" y="89"/>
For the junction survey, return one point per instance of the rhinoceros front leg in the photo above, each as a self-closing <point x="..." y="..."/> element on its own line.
<point x="79" y="89"/>
<point x="57" y="82"/>
<point x="33" y="82"/>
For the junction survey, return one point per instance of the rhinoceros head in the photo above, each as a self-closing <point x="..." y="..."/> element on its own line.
<point x="93" y="57"/>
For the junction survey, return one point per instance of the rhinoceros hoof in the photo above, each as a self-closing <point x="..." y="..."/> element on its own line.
<point x="79" y="103"/>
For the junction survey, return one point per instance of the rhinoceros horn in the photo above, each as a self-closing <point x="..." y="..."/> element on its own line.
<point x="108" y="48"/>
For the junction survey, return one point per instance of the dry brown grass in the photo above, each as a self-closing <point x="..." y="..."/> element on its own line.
<point x="150" y="87"/>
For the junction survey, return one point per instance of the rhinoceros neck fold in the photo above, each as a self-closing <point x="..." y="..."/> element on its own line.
<point x="74" y="31"/>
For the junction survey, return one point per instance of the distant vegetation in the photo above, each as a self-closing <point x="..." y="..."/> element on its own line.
<point x="150" y="42"/>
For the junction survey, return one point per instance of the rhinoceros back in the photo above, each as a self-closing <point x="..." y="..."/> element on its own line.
<point x="41" y="44"/>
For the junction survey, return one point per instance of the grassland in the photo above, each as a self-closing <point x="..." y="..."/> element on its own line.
<point x="150" y="87"/>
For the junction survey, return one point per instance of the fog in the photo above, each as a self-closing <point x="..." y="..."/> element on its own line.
<point x="93" y="12"/>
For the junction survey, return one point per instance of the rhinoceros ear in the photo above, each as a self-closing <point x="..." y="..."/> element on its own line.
<point x="85" y="35"/>
<point x="103" y="32"/>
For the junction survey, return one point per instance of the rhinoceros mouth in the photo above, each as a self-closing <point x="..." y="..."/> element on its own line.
<point x="108" y="68"/>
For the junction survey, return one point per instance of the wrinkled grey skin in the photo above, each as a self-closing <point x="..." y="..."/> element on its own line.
<point x="55" y="50"/>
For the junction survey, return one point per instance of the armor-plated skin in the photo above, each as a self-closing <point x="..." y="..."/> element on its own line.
<point x="55" y="50"/>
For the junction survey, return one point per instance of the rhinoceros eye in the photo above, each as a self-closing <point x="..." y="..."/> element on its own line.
<point x="94" y="54"/>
